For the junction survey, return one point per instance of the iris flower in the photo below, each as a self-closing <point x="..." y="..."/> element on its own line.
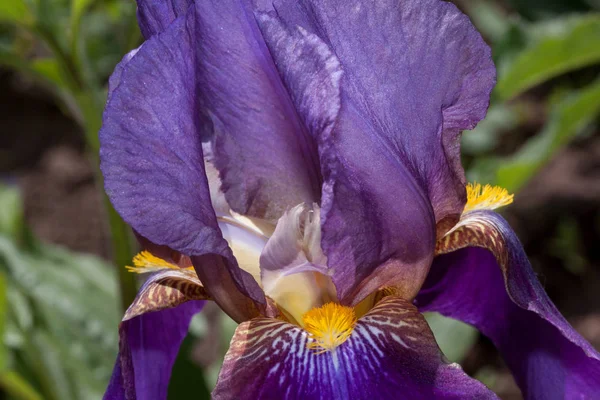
<point x="297" y="162"/>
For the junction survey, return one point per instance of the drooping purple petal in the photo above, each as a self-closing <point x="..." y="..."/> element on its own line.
<point x="154" y="16"/>
<point x="493" y="287"/>
<point x="151" y="158"/>
<point x="391" y="355"/>
<point x="267" y="160"/>
<point x="148" y="348"/>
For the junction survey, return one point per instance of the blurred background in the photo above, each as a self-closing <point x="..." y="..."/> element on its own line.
<point x="63" y="287"/>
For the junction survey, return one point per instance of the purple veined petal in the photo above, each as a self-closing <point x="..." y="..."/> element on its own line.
<point x="367" y="195"/>
<point x="151" y="158"/>
<point x="148" y="347"/>
<point x="267" y="160"/>
<point x="391" y="355"/>
<point x="491" y="285"/>
<point x="115" y="78"/>
<point x="154" y="16"/>
<point x="417" y="72"/>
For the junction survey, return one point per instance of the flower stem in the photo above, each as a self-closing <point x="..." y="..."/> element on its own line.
<point x="122" y="254"/>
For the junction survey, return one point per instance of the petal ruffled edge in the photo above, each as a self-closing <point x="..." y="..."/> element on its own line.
<point x="151" y="158"/>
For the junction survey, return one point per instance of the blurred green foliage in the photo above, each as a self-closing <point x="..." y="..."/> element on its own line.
<point x="58" y="315"/>
<point x="70" y="47"/>
<point x="59" y="311"/>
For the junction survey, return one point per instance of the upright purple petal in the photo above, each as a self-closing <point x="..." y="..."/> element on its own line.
<point x="154" y="16"/>
<point x="493" y="287"/>
<point x="115" y="78"/>
<point x="416" y="74"/>
<point x="267" y="159"/>
<point x="149" y="345"/>
<point x="151" y="158"/>
<point x="390" y="355"/>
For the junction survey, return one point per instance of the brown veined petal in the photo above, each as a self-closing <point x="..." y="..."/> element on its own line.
<point x="166" y="289"/>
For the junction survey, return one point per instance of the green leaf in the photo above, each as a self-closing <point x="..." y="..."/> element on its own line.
<point x="489" y="19"/>
<point x="566" y="45"/>
<point x="187" y="379"/>
<point x="484" y="137"/>
<point x="567" y="119"/>
<point x="15" y="11"/>
<point x="45" y="358"/>
<point x="17" y="387"/>
<point x="49" y="69"/>
<point x="3" y="348"/>
<point x="78" y="7"/>
<point x="455" y="338"/>
<point x="11" y="212"/>
<point x="64" y="318"/>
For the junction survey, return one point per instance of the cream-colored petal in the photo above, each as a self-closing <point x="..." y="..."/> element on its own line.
<point x="298" y="293"/>
<point x="261" y="226"/>
<point x="293" y="266"/>
<point x="245" y="243"/>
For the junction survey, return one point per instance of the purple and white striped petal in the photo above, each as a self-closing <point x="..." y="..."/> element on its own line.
<point x="483" y="277"/>
<point x="391" y="354"/>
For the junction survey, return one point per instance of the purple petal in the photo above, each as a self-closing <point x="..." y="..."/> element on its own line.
<point x="148" y="348"/>
<point x="415" y="74"/>
<point x="391" y="355"/>
<point x="115" y="79"/>
<point x="267" y="160"/>
<point x="154" y="16"/>
<point x="151" y="158"/>
<point x="495" y="289"/>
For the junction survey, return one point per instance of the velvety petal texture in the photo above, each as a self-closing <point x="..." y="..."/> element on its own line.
<point x="267" y="159"/>
<point x="151" y="158"/>
<point x="154" y="16"/>
<point x="492" y="286"/>
<point x="416" y="71"/>
<point x="415" y="74"/>
<point x="391" y="355"/>
<point x="148" y="347"/>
